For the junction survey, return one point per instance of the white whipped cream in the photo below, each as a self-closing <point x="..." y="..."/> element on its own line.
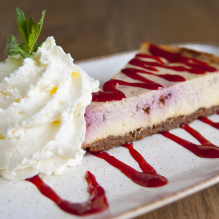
<point x="42" y="104"/>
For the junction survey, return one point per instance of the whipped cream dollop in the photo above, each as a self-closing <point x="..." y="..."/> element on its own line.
<point x="42" y="104"/>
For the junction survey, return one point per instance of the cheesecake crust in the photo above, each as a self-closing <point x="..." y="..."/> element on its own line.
<point x="140" y="133"/>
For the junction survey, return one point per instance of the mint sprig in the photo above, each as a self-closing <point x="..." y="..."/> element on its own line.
<point x="29" y="32"/>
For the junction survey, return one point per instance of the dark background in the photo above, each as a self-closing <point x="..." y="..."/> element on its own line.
<point x="94" y="28"/>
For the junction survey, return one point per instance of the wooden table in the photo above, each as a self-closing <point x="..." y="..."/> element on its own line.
<point x="94" y="28"/>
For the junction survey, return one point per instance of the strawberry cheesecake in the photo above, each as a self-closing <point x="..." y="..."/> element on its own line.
<point x="160" y="88"/>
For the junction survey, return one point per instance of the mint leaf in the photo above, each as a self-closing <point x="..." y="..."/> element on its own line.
<point x="23" y="47"/>
<point x="29" y="32"/>
<point x="13" y="47"/>
<point x="24" y="25"/>
<point x="35" y="31"/>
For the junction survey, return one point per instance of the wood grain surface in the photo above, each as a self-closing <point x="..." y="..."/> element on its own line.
<point x="94" y="28"/>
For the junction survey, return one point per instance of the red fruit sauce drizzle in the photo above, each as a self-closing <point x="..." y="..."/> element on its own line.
<point x="148" y="178"/>
<point x="191" y="65"/>
<point x="95" y="204"/>
<point x="205" y="150"/>
<point x="209" y="122"/>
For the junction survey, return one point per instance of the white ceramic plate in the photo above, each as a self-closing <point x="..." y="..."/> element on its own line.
<point x="186" y="172"/>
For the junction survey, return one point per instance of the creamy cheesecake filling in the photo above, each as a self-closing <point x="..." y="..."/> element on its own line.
<point x="140" y="133"/>
<point x="144" y="107"/>
<point x="149" y="109"/>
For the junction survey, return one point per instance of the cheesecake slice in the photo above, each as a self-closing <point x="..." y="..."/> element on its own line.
<point x="160" y="88"/>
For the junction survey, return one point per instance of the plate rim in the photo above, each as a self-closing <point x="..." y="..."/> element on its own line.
<point x="170" y="199"/>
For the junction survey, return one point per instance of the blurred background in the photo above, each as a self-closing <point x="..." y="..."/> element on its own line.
<point x="94" y="28"/>
<point x="88" y="29"/>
